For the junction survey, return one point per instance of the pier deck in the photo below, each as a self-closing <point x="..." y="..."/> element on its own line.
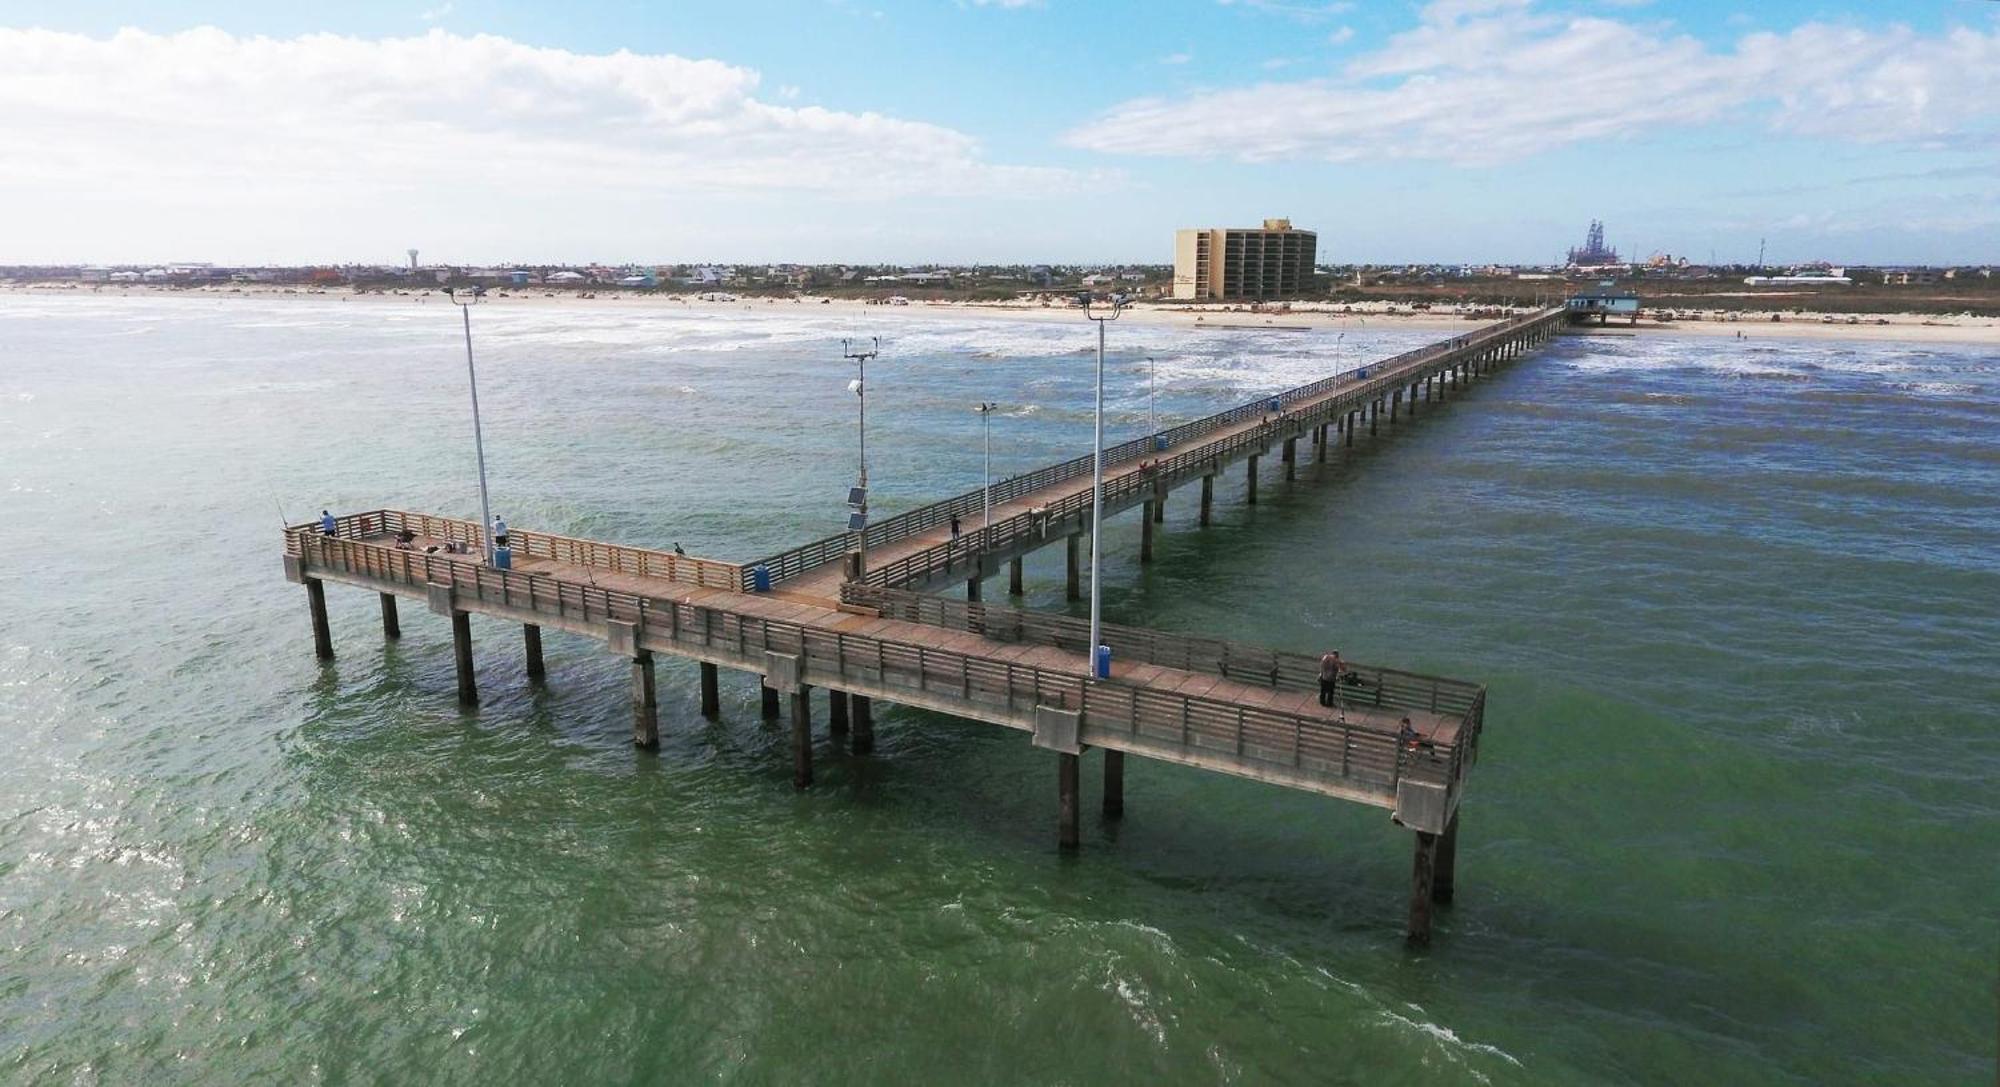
<point x="1393" y="740"/>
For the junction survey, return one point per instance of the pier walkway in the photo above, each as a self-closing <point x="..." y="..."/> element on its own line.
<point x="1394" y="740"/>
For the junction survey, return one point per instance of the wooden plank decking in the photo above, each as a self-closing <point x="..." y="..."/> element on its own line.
<point x="1396" y="740"/>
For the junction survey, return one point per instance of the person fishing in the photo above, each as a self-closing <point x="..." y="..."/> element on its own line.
<point x="327" y="525"/>
<point x="1330" y="669"/>
<point x="499" y="532"/>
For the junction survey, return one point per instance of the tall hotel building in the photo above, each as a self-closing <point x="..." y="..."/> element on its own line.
<point x="1231" y="263"/>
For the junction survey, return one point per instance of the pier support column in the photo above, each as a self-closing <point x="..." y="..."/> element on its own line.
<point x="770" y="703"/>
<point x="1324" y="439"/>
<point x="1072" y="588"/>
<point x="1395" y="404"/>
<point x="1421" y="873"/>
<point x="1159" y="503"/>
<point x="1291" y="459"/>
<point x="322" y="634"/>
<point x="1146" y="532"/>
<point x="392" y="628"/>
<point x="645" y="704"/>
<point x="1067" y="773"/>
<point x="972" y="589"/>
<point x="461" y="652"/>
<point x="836" y="712"/>
<point x="1374" y="416"/>
<point x="1445" y="869"/>
<point x="1114" y="784"/>
<point x="1207" y="497"/>
<point x="711" y="691"/>
<point x="531" y="648"/>
<point x="1251" y="474"/>
<point x="1014" y="576"/>
<point x="802" y="738"/>
<point x="1351" y="421"/>
<point x="864" y="724"/>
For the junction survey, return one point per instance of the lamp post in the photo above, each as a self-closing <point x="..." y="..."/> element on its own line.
<point x="1097" y="473"/>
<point x="859" y="387"/>
<point x="478" y="442"/>
<point x="985" y="411"/>
<point x="1152" y="381"/>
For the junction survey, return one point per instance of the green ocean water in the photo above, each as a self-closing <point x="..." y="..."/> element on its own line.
<point x="1737" y="604"/>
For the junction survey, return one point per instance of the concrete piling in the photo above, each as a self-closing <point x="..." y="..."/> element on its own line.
<point x="645" y="703"/>
<point x="1207" y="497"/>
<point x="1444" y="871"/>
<point x="392" y="627"/>
<point x="711" y="690"/>
<point x="1072" y="580"/>
<point x="1114" y="783"/>
<point x="1067" y="773"/>
<point x="1146" y="532"/>
<point x="770" y="707"/>
<point x="1421" y="873"/>
<point x="531" y="647"/>
<point x="836" y="712"/>
<point x="864" y="724"/>
<point x="461" y="651"/>
<point x="322" y="633"/>
<point x="1250" y="475"/>
<point x="802" y="750"/>
<point x="1291" y="457"/>
<point x="1014" y="576"/>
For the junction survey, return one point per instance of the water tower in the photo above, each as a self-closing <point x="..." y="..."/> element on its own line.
<point x="413" y="260"/>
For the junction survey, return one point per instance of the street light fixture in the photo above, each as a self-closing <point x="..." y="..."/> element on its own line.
<point x="1097" y="485"/>
<point x="472" y="297"/>
<point x="986" y="411"/>
<point x="1152" y="381"/>
<point x="857" y="499"/>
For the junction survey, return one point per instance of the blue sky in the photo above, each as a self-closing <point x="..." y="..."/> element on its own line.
<point x="831" y="130"/>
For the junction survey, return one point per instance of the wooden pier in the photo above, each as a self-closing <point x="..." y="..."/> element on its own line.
<point x="1394" y="740"/>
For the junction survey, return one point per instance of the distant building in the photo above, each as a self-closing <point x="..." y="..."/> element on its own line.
<point x="1275" y="261"/>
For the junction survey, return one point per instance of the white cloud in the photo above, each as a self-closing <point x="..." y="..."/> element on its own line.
<point x="207" y="111"/>
<point x="1177" y="58"/>
<point x="1485" y="81"/>
<point x="432" y="15"/>
<point x="1341" y="37"/>
<point x="1305" y="13"/>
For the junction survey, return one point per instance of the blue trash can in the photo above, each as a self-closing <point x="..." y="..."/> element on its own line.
<point x="1276" y="404"/>
<point x="1103" y="662"/>
<point x="503" y="558"/>
<point x="1159" y="442"/>
<point x="760" y="578"/>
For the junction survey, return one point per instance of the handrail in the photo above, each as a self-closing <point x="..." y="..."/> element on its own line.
<point x="575" y="551"/>
<point x="1251" y="664"/>
<point x="1071" y="512"/>
<point x="810" y="556"/>
<point x="1247" y="737"/>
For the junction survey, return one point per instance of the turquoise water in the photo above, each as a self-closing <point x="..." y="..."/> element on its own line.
<point x="1734" y="819"/>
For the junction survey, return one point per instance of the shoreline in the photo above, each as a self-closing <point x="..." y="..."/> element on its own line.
<point x="1303" y="316"/>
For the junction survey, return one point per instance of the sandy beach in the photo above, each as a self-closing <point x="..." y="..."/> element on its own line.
<point x="1906" y="328"/>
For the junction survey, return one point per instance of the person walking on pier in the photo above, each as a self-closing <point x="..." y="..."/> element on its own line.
<point x="327" y="526"/>
<point x="499" y="532"/>
<point x="954" y="528"/>
<point x="1330" y="669"/>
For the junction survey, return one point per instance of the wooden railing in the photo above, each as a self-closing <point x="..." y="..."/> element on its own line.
<point x="1254" y="665"/>
<point x="811" y="556"/>
<point x="1218" y="734"/>
<point x="1072" y="512"/>
<point x="644" y="562"/>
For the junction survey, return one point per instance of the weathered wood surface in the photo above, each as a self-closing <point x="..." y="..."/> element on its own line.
<point x="916" y="549"/>
<point x="1257" y="731"/>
